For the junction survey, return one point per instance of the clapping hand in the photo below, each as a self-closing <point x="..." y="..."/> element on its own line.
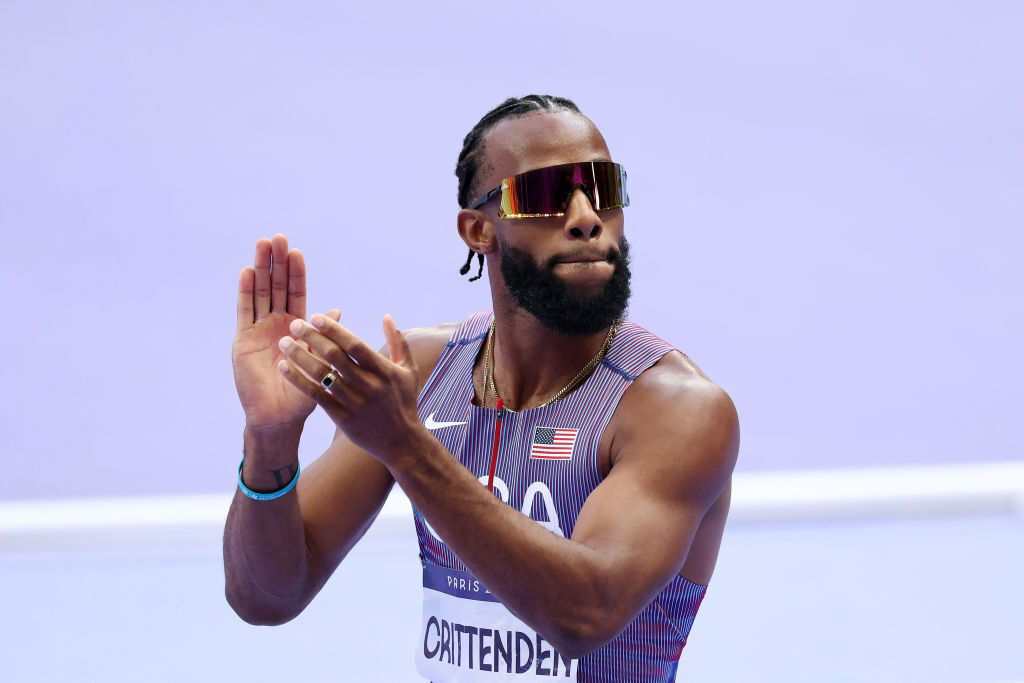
<point x="271" y="295"/>
<point x="373" y="401"/>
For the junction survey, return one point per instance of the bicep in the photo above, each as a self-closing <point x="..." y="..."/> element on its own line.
<point x="640" y="532"/>
<point x="642" y="519"/>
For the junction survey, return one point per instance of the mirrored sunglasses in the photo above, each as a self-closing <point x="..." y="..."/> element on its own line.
<point x="546" y="191"/>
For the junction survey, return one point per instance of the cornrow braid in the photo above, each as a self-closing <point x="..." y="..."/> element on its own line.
<point x="469" y="169"/>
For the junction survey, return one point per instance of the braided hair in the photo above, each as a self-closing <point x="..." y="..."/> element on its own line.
<point x="469" y="169"/>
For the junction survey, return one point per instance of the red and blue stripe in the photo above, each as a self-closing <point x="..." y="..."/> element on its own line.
<point x="648" y="649"/>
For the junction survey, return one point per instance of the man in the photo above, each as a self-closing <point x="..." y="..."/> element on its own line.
<point x="605" y="454"/>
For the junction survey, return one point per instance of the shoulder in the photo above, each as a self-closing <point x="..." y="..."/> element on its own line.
<point x="673" y="378"/>
<point x="426" y="344"/>
<point x="673" y="418"/>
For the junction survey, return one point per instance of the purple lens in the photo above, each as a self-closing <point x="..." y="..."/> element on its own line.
<point x="546" y="191"/>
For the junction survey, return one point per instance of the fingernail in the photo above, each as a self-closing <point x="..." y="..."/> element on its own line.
<point x="296" y="327"/>
<point x="284" y="343"/>
<point x="317" y="320"/>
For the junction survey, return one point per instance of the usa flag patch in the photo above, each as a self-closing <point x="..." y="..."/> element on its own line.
<point x="552" y="443"/>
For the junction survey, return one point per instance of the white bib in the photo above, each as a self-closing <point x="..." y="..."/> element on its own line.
<point x="468" y="636"/>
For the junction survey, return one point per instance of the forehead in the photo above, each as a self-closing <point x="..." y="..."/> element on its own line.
<point x="541" y="139"/>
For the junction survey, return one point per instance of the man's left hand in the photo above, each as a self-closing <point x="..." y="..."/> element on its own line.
<point x="374" y="399"/>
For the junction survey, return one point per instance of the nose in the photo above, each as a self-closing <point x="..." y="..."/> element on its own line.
<point x="581" y="220"/>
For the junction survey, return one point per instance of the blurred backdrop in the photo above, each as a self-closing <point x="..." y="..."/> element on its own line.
<point x="826" y="209"/>
<point x="826" y="216"/>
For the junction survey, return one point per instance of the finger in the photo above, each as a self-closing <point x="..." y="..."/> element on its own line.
<point x="246" y="282"/>
<point x="398" y="345"/>
<point x="336" y="315"/>
<point x="328" y="350"/>
<point x="346" y="340"/>
<point x="315" y="368"/>
<point x="324" y="398"/>
<point x="262" y="287"/>
<point x="296" y="284"/>
<point x="279" y="274"/>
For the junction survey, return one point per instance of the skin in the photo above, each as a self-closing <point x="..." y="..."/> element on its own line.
<point x="667" y="454"/>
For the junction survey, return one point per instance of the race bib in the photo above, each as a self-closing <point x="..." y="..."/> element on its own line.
<point x="468" y="636"/>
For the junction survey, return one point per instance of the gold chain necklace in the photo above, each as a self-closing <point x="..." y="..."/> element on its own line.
<point x="489" y="364"/>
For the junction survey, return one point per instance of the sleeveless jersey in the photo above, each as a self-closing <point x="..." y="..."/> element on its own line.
<point x="547" y="465"/>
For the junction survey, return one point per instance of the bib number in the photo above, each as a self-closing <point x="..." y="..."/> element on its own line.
<point x="467" y="635"/>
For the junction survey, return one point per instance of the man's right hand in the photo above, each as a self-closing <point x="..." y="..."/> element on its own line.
<point x="270" y="296"/>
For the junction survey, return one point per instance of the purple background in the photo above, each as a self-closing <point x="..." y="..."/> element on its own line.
<point x="826" y="210"/>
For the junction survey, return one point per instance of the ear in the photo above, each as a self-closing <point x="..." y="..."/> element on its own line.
<point x="476" y="230"/>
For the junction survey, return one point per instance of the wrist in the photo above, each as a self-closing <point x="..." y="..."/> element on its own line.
<point x="411" y="451"/>
<point x="276" y="432"/>
<point x="283" y="473"/>
<point x="270" y="456"/>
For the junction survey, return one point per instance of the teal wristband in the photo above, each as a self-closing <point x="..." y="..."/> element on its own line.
<point x="255" y="495"/>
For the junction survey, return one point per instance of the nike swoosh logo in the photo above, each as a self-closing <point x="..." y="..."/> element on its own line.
<point x="430" y="424"/>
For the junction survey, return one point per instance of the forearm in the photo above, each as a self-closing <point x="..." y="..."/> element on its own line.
<point x="266" y="560"/>
<point x="552" y="583"/>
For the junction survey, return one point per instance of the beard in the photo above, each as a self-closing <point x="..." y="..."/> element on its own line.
<point x="537" y="289"/>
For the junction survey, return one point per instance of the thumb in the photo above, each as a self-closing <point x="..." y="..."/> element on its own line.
<point x="398" y="345"/>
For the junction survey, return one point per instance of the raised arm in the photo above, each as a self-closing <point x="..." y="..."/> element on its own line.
<point x="631" y="538"/>
<point x="279" y="553"/>
<point x="634" y="532"/>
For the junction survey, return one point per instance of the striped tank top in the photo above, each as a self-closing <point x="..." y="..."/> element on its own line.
<point x="547" y="465"/>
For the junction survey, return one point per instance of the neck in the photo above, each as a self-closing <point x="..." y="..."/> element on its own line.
<point x="532" y="363"/>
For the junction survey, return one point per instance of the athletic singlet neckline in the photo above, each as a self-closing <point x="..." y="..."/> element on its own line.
<point x="482" y="349"/>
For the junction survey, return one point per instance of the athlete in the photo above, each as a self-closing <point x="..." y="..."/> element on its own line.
<point x="569" y="470"/>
